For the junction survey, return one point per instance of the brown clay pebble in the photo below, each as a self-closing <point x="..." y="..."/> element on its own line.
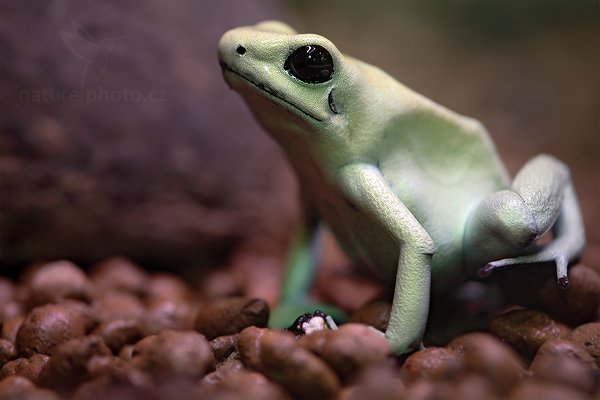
<point x="119" y="332"/>
<point x="536" y="288"/>
<point x="102" y="387"/>
<point x="7" y="351"/>
<point x="164" y="314"/>
<point x="181" y="354"/>
<point x="525" y="330"/>
<point x="68" y="365"/>
<point x="48" y="326"/>
<point x="224" y="370"/>
<point x="422" y="390"/>
<point x="349" y="348"/>
<point x="20" y="388"/>
<point x="249" y="346"/>
<point x="533" y="389"/>
<point x="588" y="336"/>
<point x="126" y="352"/>
<point x="167" y="286"/>
<point x="231" y="315"/>
<point x="578" y="303"/>
<point x="118" y="305"/>
<point x="223" y="346"/>
<point x="279" y="357"/>
<point x="485" y="354"/>
<point x="11" y="309"/>
<point x="30" y="368"/>
<point x="57" y="281"/>
<point x="245" y="385"/>
<point x="105" y="365"/>
<point x="437" y="363"/>
<point x="472" y="387"/>
<point x="10" y="327"/>
<point x="7" y="290"/>
<point x="375" y="382"/>
<point x="564" y="370"/>
<point x="119" y="274"/>
<point x="217" y="283"/>
<point x="565" y="348"/>
<point x="375" y="313"/>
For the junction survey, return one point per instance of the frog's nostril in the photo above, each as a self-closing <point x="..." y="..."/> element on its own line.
<point x="241" y="50"/>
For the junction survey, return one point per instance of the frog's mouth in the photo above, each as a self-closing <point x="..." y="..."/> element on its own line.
<point x="269" y="92"/>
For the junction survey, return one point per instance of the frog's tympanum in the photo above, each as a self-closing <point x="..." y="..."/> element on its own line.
<point x="415" y="193"/>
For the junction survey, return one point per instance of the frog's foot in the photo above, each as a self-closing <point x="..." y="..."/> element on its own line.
<point x="507" y="224"/>
<point x="286" y="314"/>
<point x="561" y="260"/>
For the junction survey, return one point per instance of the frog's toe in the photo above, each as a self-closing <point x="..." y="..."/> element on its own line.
<point x="490" y="267"/>
<point x="486" y="270"/>
<point x="546" y="255"/>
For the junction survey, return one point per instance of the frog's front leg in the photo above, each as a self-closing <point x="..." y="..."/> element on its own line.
<point x="364" y="187"/>
<point x="502" y="230"/>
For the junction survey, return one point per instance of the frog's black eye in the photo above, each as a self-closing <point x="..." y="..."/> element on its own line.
<point x="311" y="64"/>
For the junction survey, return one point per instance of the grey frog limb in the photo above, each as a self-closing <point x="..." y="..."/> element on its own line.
<point x="415" y="193"/>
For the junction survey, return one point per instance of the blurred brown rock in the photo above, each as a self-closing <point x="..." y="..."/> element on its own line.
<point x="8" y="351"/>
<point x="348" y="349"/>
<point x="119" y="136"/>
<point x="70" y="362"/>
<point x="588" y="336"/>
<point x="486" y="355"/>
<point x="534" y="286"/>
<point x="57" y="281"/>
<point x="435" y="363"/>
<point x="543" y="390"/>
<point x="30" y="368"/>
<point x="561" y="348"/>
<point x="279" y="357"/>
<point x="526" y="330"/>
<point x="48" y="326"/>
<point x="171" y="354"/>
<point x="20" y="388"/>
<point x="567" y="371"/>
<point x="230" y="315"/>
<point x="375" y="313"/>
<point x="119" y="273"/>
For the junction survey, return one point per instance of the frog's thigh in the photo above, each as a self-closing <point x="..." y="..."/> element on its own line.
<point x="547" y="194"/>
<point x="541" y="183"/>
<point x="500" y="226"/>
<point x="508" y="221"/>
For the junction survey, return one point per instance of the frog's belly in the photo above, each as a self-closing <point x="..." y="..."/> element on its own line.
<point x="443" y="208"/>
<point x="370" y="246"/>
<point x="376" y="253"/>
<point x="443" y="216"/>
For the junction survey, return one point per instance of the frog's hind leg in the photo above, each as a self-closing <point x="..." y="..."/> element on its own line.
<point x="505" y="226"/>
<point x="299" y="275"/>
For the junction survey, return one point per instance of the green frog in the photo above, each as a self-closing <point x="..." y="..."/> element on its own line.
<point x="415" y="193"/>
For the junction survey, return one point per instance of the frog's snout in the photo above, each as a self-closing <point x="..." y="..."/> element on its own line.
<point x="224" y="48"/>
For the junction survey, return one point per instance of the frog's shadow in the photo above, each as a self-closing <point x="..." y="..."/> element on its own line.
<point x="471" y="306"/>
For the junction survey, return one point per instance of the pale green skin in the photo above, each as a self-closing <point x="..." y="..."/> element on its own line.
<point x="414" y="192"/>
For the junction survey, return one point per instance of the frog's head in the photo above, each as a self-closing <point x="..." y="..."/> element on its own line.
<point x="292" y="82"/>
